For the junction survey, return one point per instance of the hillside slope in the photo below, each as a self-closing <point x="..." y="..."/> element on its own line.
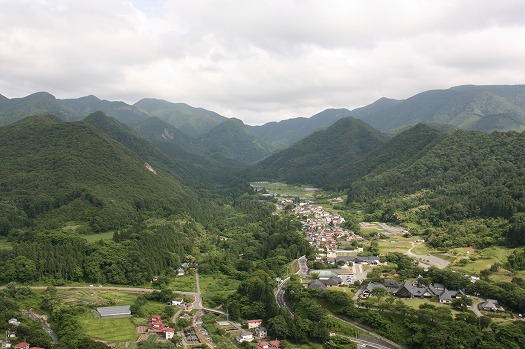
<point x="57" y="171"/>
<point x="283" y="134"/>
<point x="484" y="108"/>
<point x="313" y="159"/>
<point x="193" y="121"/>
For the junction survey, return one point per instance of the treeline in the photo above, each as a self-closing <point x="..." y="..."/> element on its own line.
<point x="154" y="247"/>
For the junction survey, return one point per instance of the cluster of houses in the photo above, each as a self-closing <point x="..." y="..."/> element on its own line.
<point x="155" y="325"/>
<point x="257" y="332"/>
<point x="416" y="290"/>
<point x="321" y="228"/>
<point x="11" y="333"/>
<point x="21" y="345"/>
<point x="413" y="290"/>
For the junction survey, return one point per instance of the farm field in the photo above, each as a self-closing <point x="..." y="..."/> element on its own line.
<point x="216" y="286"/>
<point x="95" y="297"/>
<point x="112" y="330"/>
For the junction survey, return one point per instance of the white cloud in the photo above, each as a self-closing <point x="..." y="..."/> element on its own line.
<point x="258" y="60"/>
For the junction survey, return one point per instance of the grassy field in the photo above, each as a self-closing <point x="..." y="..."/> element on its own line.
<point x="395" y="244"/>
<point x="113" y="330"/>
<point x="184" y="283"/>
<point x="100" y="236"/>
<point x="215" y="287"/>
<point x="4" y="244"/>
<point x="96" y="297"/>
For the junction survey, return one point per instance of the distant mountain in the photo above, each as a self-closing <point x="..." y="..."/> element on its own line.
<point x="234" y="142"/>
<point x="130" y="139"/>
<point x="484" y="108"/>
<point x="378" y="106"/>
<point x="40" y="103"/>
<point x="283" y="134"/>
<point x="186" y="151"/>
<point x="193" y="121"/>
<point x="313" y="159"/>
<point x="402" y="150"/>
<point x="121" y="111"/>
<point x="54" y="172"/>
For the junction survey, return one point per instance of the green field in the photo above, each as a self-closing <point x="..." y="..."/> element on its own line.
<point x="97" y="237"/>
<point x="96" y="297"/>
<point x="216" y="287"/>
<point x="112" y="330"/>
<point x="184" y="283"/>
<point x="4" y="244"/>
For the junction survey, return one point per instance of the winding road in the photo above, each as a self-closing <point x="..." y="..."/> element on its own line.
<point x="428" y="260"/>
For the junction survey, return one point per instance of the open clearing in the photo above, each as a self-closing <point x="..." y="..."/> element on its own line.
<point x="113" y="330"/>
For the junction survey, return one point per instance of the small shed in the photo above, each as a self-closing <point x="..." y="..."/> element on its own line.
<point x="113" y="312"/>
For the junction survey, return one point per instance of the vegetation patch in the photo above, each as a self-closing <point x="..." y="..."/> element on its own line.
<point x="113" y="330"/>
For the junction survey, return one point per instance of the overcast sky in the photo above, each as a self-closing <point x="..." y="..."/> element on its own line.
<point x="258" y="60"/>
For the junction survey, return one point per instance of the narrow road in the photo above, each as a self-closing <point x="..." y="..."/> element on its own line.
<point x="279" y="295"/>
<point x="428" y="260"/>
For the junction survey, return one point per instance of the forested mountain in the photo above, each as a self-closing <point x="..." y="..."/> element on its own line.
<point x="186" y="151"/>
<point x="463" y="175"/>
<point x="130" y="139"/>
<point x="40" y="103"/>
<point x="283" y="134"/>
<point x="54" y="172"/>
<point x="190" y="120"/>
<point x="485" y="108"/>
<point x="313" y="159"/>
<point x="402" y="150"/>
<point x="121" y="111"/>
<point x="234" y="142"/>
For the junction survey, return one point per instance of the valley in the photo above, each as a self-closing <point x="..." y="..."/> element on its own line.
<point x="189" y="223"/>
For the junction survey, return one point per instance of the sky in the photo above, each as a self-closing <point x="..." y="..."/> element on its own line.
<point x="258" y="60"/>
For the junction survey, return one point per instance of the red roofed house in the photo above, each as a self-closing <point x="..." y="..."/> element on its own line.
<point x="254" y="323"/>
<point x="22" y="345"/>
<point x="268" y="345"/>
<point x="168" y="332"/>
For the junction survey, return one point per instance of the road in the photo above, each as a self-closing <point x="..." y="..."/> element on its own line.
<point x="303" y="268"/>
<point x="428" y="260"/>
<point x="279" y="295"/>
<point x="359" y="273"/>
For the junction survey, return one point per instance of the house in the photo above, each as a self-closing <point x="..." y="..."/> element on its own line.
<point x="268" y="345"/>
<point x="332" y="281"/>
<point x="492" y="305"/>
<point x="188" y="306"/>
<point x="5" y="344"/>
<point x="407" y="290"/>
<point x="22" y="345"/>
<point x="13" y="322"/>
<point x="445" y="297"/>
<point x="176" y="301"/>
<point x="254" y="323"/>
<point x="261" y="332"/>
<point x="317" y="285"/>
<point x="180" y="272"/>
<point x="245" y="336"/>
<point x="168" y="332"/>
<point x="371" y="260"/>
<point x="367" y="291"/>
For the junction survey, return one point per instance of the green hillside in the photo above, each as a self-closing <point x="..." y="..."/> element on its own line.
<point x="233" y="142"/>
<point x="54" y="172"/>
<point x="484" y="108"/>
<point x="465" y="175"/>
<point x="121" y="111"/>
<point x="190" y="120"/>
<point x="313" y="159"/>
<point x="40" y="103"/>
<point x="283" y="134"/>
<point x="187" y="152"/>
<point x="402" y="150"/>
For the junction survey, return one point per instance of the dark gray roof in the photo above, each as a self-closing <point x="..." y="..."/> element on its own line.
<point x="316" y="284"/>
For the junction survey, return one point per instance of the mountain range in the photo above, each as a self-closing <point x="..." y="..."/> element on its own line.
<point x="106" y="167"/>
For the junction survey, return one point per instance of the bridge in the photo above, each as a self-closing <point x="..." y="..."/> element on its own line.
<point x="214" y="311"/>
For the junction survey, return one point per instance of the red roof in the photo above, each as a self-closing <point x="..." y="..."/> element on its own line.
<point x="251" y="321"/>
<point x="22" y="345"/>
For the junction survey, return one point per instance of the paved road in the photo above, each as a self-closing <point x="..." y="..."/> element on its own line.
<point x="359" y="273"/>
<point x="428" y="260"/>
<point x="303" y="268"/>
<point x="279" y="295"/>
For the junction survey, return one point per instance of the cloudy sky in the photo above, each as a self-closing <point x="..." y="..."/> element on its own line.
<point x="258" y="60"/>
